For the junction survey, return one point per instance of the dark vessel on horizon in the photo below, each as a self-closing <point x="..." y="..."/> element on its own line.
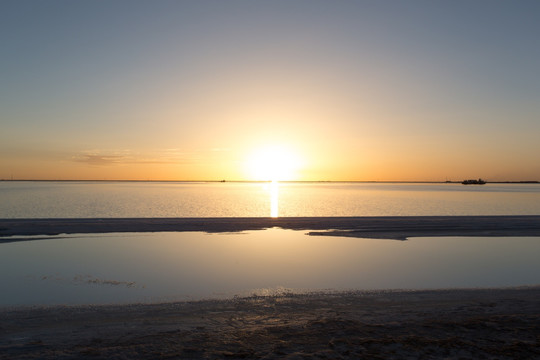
<point x="473" y="182"/>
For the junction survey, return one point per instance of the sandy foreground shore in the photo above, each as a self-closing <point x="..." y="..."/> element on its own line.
<point x="452" y="324"/>
<point x="392" y="227"/>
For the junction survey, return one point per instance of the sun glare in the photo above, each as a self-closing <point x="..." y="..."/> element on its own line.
<point x="273" y="163"/>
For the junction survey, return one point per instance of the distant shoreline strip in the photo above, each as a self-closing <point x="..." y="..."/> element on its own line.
<point x="379" y="227"/>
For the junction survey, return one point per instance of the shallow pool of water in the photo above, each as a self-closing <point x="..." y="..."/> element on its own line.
<point x="151" y="267"/>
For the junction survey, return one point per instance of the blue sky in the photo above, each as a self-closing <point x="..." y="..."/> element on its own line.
<point x="360" y="90"/>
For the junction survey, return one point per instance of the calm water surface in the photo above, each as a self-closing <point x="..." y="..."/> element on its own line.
<point x="170" y="199"/>
<point x="124" y="268"/>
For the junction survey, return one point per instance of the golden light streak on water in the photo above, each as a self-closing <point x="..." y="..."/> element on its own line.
<point x="274" y="201"/>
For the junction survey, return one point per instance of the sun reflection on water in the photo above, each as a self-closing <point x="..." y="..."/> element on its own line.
<point x="274" y="194"/>
<point x="272" y="188"/>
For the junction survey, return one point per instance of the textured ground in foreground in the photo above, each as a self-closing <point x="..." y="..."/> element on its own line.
<point x="455" y="324"/>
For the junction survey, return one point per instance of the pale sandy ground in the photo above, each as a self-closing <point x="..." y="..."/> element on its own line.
<point x="444" y="324"/>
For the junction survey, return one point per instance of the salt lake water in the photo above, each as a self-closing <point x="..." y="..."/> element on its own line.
<point x="150" y="267"/>
<point x="180" y="199"/>
<point x="133" y="268"/>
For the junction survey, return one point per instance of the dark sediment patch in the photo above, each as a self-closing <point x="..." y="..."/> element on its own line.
<point x="488" y="323"/>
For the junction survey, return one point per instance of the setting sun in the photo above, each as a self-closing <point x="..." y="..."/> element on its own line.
<point x="273" y="163"/>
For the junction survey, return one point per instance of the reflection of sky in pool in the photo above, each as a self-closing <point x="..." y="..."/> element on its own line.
<point x="133" y="267"/>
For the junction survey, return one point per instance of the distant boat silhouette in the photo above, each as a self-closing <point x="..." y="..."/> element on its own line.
<point x="473" y="182"/>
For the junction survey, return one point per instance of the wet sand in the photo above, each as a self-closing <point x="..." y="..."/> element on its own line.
<point x="394" y="227"/>
<point x="452" y="324"/>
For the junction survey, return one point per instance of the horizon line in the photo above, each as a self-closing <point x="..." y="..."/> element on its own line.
<point x="279" y="181"/>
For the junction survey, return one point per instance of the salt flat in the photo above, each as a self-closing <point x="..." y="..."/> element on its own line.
<point x="391" y="227"/>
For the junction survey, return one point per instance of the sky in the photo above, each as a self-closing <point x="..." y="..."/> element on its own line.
<point x="256" y="90"/>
